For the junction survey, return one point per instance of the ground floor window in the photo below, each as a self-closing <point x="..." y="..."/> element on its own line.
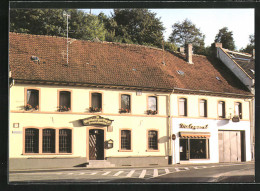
<point x="48" y="137"/>
<point x="125" y="140"/>
<point x="192" y="148"/>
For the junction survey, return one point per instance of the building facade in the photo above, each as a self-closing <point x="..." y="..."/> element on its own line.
<point x="112" y="104"/>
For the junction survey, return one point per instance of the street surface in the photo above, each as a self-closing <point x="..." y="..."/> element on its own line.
<point x="221" y="172"/>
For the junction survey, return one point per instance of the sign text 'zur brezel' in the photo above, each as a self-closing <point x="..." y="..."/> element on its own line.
<point x="190" y="126"/>
<point x="97" y="120"/>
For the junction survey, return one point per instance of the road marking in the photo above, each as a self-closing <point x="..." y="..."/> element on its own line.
<point x="142" y="174"/>
<point x="70" y="173"/>
<point x="186" y="168"/>
<point x="93" y="173"/>
<point x="119" y="172"/>
<point x="130" y="173"/>
<point x="212" y="166"/>
<point x="155" y="172"/>
<point x="196" y="167"/>
<point x="204" y="167"/>
<point x="59" y="173"/>
<point x="167" y="171"/>
<point x="82" y="173"/>
<point x="177" y="169"/>
<point x="106" y="173"/>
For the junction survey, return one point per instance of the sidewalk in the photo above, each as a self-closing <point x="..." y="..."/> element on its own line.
<point x="125" y="167"/>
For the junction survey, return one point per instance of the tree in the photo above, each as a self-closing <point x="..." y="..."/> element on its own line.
<point x="249" y="48"/>
<point x="138" y="26"/>
<point x="226" y="38"/>
<point x="186" y="32"/>
<point x="52" y="22"/>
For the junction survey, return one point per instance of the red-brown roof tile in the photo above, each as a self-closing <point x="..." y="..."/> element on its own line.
<point x="115" y="64"/>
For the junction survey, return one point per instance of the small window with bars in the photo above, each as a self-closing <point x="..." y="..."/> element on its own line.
<point x="65" y="141"/>
<point x="126" y="140"/>
<point x="48" y="140"/>
<point x="31" y="140"/>
<point x="152" y="140"/>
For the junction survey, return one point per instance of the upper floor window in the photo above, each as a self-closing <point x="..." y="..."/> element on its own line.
<point x="152" y="105"/>
<point x="125" y="103"/>
<point x="203" y="108"/>
<point x="183" y="107"/>
<point x="221" y="109"/>
<point x="32" y="140"/>
<point x="238" y="109"/>
<point x="96" y="102"/>
<point x="64" y="101"/>
<point x="32" y="99"/>
<point x="125" y="140"/>
<point x="48" y="140"/>
<point x="153" y="140"/>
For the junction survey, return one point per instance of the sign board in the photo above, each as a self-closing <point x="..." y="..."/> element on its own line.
<point x="190" y="126"/>
<point x="97" y="120"/>
<point x="17" y="132"/>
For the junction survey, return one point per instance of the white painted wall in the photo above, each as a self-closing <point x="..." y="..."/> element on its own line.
<point x="213" y="127"/>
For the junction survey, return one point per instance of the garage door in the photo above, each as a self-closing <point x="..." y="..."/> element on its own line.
<point x="230" y="146"/>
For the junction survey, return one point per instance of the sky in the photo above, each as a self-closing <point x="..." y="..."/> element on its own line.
<point x="209" y="21"/>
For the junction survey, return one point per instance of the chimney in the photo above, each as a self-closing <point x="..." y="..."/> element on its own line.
<point x="181" y="50"/>
<point x="189" y="53"/>
<point x="253" y="54"/>
<point x="217" y="45"/>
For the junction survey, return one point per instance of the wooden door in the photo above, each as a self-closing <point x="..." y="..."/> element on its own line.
<point x="96" y="144"/>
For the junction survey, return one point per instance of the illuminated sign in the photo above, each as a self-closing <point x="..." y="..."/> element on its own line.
<point x="97" y="120"/>
<point x="190" y="126"/>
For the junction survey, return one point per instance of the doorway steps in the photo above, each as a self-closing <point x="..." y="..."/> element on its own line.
<point x="99" y="164"/>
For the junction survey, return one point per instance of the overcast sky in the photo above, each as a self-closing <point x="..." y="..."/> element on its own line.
<point x="209" y="21"/>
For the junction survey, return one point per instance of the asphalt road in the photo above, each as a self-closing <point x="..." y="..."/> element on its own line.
<point x="229" y="172"/>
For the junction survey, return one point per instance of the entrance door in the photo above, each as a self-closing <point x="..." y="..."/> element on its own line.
<point x="96" y="144"/>
<point x="184" y="151"/>
<point x="230" y="146"/>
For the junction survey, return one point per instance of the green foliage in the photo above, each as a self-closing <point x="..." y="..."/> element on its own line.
<point x="137" y="26"/>
<point x="170" y="46"/>
<point x="186" y="32"/>
<point x="52" y="22"/>
<point x="226" y="38"/>
<point x="249" y="48"/>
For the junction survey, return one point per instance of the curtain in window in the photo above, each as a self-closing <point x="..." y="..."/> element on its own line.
<point x="182" y="107"/>
<point x="221" y="109"/>
<point x="203" y="108"/>
<point x="125" y="101"/>
<point x="65" y="99"/>
<point x="238" y="109"/>
<point x="152" y="103"/>
<point x="96" y="100"/>
<point x="33" y="98"/>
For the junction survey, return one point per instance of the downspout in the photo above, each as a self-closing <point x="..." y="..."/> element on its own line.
<point x="170" y="150"/>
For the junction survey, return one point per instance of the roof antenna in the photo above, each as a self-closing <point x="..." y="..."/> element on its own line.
<point x="163" y="51"/>
<point x="65" y="14"/>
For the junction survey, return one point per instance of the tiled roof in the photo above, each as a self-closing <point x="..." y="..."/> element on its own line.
<point x="115" y="64"/>
<point x="245" y="61"/>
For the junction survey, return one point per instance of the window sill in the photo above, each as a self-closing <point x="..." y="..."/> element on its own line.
<point x="125" y="150"/>
<point x="47" y="154"/>
<point x="152" y="150"/>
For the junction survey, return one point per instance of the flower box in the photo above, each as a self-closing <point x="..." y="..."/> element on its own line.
<point x="28" y="107"/>
<point x="63" y="108"/>
<point x="151" y="112"/>
<point x="96" y="109"/>
<point x="124" y="110"/>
